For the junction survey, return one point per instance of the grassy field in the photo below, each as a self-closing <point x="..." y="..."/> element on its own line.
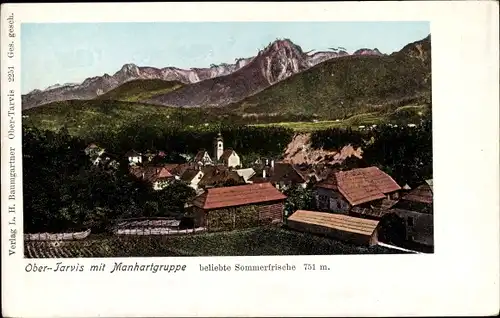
<point x="306" y="126"/>
<point x="249" y="242"/>
<point x="401" y="115"/>
<point x="139" y="90"/>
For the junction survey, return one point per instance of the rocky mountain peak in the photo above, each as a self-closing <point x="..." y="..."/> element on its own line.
<point x="365" y="51"/>
<point x="281" y="59"/>
<point x="128" y="68"/>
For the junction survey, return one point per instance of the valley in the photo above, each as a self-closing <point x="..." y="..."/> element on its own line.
<point x="137" y="145"/>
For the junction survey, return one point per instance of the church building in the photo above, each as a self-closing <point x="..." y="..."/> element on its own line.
<point x="227" y="157"/>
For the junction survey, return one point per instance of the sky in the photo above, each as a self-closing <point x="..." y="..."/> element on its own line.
<point x="70" y="52"/>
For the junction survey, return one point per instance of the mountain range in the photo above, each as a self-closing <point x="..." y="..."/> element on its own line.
<point x="281" y="84"/>
<point x="217" y="85"/>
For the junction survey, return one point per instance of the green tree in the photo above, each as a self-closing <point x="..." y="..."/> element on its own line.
<point x="299" y="198"/>
<point x="172" y="199"/>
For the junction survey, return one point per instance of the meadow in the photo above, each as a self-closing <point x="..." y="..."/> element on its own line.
<point x="247" y="242"/>
<point x="402" y="115"/>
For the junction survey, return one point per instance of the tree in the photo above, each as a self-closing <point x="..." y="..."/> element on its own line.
<point x="299" y="198"/>
<point x="172" y="199"/>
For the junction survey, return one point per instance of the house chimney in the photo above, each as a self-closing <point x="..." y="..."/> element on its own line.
<point x="264" y="173"/>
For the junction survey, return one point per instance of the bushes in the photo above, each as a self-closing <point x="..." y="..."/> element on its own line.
<point x="64" y="192"/>
<point x="336" y="138"/>
<point x="176" y="140"/>
<point x="405" y="153"/>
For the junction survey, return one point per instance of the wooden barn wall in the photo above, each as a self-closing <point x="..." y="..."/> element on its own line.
<point x="271" y="212"/>
<point x="243" y="216"/>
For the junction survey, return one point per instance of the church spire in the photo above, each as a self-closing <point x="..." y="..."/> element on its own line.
<point x="219" y="146"/>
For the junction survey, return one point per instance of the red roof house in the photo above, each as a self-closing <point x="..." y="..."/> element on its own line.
<point x="360" y="187"/>
<point x="230" y="207"/>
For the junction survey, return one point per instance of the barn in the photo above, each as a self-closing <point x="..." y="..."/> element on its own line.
<point x="341" y="227"/>
<point x="229" y="208"/>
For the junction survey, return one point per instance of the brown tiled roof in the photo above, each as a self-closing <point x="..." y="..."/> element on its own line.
<point x="281" y="172"/>
<point x="151" y="173"/>
<point x="136" y="171"/>
<point x="189" y="174"/>
<point x="381" y="179"/>
<point x="216" y="198"/>
<point x="179" y="170"/>
<point x="361" y="185"/>
<point x="170" y="166"/>
<point x="422" y="194"/>
<point x="339" y="222"/>
<point x="214" y="175"/>
<point x="226" y="154"/>
<point x="163" y="173"/>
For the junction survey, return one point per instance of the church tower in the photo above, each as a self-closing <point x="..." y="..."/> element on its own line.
<point x="219" y="146"/>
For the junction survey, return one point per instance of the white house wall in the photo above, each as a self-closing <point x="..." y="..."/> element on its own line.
<point x="233" y="160"/>
<point x="136" y="159"/>
<point x="160" y="185"/>
<point x="207" y="159"/>
<point x="197" y="178"/>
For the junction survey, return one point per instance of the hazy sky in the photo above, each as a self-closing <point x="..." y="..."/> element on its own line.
<point x="70" y="52"/>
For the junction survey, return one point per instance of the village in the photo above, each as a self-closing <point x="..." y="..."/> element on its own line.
<point x="361" y="206"/>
